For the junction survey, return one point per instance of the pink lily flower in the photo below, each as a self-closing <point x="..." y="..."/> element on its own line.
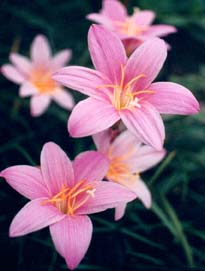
<point x="133" y="30"/>
<point x="122" y="88"/>
<point x="61" y="195"/>
<point x="34" y="76"/>
<point x="128" y="158"/>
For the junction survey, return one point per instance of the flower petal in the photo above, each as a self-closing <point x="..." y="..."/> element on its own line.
<point x="61" y="58"/>
<point x="22" y="63"/>
<point x="120" y="211"/>
<point x="40" y="50"/>
<point x="107" y="52"/>
<point x="101" y="19"/>
<point x="90" y="165"/>
<point x="56" y="167"/>
<point x="172" y="98"/>
<point x="114" y="10"/>
<point x="11" y="73"/>
<point x="26" y="180"/>
<point x="81" y="79"/>
<point x="27" y="89"/>
<point x="160" y="30"/>
<point x="148" y="60"/>
<point x="102" y="140"/>
<point x="146" y="123"/>
<point x="63" y="98"/>
<point x="107" y="195"/>
<point x="39" y="104"/>
<point x="34" y="216"/>
<point x="72" y="237"/>
<point x="90" y="117"/>
<point x="144" y="17"/>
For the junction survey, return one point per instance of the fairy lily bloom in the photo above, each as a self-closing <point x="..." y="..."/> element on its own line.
<point x="122" y="88"/>
<point x="62" y="194"/>
<point x="34" y="76"/>
<point x="133" y="30"/>
<point x="128" y="158"/>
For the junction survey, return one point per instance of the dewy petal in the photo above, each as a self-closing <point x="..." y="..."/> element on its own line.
<point x="63" y="98"/>
<point x="102" y="140"/>
<point x="82" y="79"/>
<point x="172" y="98"/>
<point x="90" y="117"/>
<point x="148" y="60"/>
<point x="11" y="73"/>
<point x="27" y="89"/>
<point x="91" y="166"/>
<point x="160" y="30"/>
<point x="107" y="52"/>
<point x="120" y="211"/>
<point x="39" y="104"/>
<point x="56" y="168"/>
<point x="72" y="237"/>
<point x="61" y="58"/>
<point x="145" y="158"/>
<point x="146" y="123"/>
<point x="26" y="180"/>
<point x="40" y="50"/>
<point x="144" y="17"/>
<point x="22" y="63"/>
<point x="114" y="10"/>
<point x="107" y="195"/>
<point x="34" y="216"/>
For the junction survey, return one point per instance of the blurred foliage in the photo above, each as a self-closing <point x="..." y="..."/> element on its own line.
<point x="170" y="236"/>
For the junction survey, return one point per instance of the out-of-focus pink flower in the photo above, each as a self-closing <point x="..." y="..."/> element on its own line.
<point x="133" y="30"/>
<point x="34" y="76"/>
<point x="62" y="194"/>
<point x="122" y="88"/>
<point x="128" y="158"/>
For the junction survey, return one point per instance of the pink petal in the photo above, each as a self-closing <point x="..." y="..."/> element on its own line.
<point x="22" y="63"/>
<point x="120" y="211"/>
<point x="11" y="73"/>
<point x="56" y="168"/>
<point x="27" y="89"/>
<point x="146" y="123"/>
<point x="148" y="60"/>
<point x="82" y="79"/>
<point x="144" y="17"/>
<point x="107" y="52"/>
<point x="72" y="237"/>
<point x="61" y="58"/>
<point x="90" y="165"/>
<point x="63" y="98"/>
<point x="102" y="140"/>
<point x="107" y="195"/>
<point x="26" y="180"/>
<point x="39" y="104"/>
<point x="34" y="216"/>
<point x="145" y="158"/>
<point x="40" y="50"/>
<point x="100" y="19"/>
<point x="90" y="117"/>
<point x="160" y="30"/>
<point x="172" y="98"/>
<point x="114" y="10"/>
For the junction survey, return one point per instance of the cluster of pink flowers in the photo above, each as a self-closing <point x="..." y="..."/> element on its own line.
<point x="122" y="113"/>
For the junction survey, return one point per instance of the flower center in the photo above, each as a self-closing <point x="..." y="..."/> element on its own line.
<point x="123" y="96"/>
<point x="42" y="80"/>
<point x="129" y="27"/>
<point x="68" y="200"/>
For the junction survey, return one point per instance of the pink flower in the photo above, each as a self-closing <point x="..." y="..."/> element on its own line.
<point x="34" y="76"/>
<point x="122" y="88"/>
<point x="62" y="194"/>
<point x="133" y="30"/>
<point x="128" y="158"/>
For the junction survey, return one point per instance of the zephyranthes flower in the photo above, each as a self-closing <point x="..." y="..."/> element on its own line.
<point x="128" y="158"/>
<point x="133" y="30"/>
<point x="122" y="88"/>
<point x="34" y="76"/>
<point x="62" y="194"/>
